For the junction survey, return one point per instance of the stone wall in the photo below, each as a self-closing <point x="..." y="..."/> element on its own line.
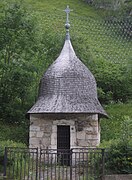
<point x="88" y="131"/>
<point x="119" y="177"/>
<point x="84" y="130"/>
<point x="40" y="131"/>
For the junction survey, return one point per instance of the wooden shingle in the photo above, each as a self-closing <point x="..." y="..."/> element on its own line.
<point x="68" y="86"/>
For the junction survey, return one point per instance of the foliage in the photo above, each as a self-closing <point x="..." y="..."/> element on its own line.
<point x="113" y="85"/>
<point x="110" y="128"/>
<point x="24" y="55"/>
<point x="116" y="10"/>
<point x="111" y="4"/>
<point x="119" y="155"/>
<point x="17" y="34"/>
<point x="119" y="159"/>
<point x="14" y="92"/>
<point x="15" y="132"/>
<point x="8" y="143"/>
<point x="16" y="75"/>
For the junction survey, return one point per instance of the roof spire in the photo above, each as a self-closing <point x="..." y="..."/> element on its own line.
<point x="67" y="25"/>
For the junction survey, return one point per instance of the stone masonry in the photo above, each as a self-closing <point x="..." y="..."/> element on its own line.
<point x="84" y="130"/>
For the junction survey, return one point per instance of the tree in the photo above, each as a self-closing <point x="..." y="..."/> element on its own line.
<point x="16" y="34"/>
<point x="24" y="55"/>
<point x="17" y="73"/>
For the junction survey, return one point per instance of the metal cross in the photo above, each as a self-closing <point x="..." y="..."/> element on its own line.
<point x="67" y="10"/>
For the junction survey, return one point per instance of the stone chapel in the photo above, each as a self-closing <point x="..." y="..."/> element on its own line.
<point x="67" y="112"/>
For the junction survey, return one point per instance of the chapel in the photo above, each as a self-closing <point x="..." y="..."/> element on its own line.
<point x="67" y="112"/>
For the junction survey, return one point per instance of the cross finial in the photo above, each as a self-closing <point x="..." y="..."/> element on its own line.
<point x="67" y="25"/>
<point x="67" y="10"/>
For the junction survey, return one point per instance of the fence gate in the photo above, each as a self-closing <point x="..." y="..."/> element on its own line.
<point x="31" y="164"/>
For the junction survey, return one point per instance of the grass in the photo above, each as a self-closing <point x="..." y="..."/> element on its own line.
<point x="111" y="128"/>
<point x="20" y="165"/>
<point x="91" y="34"/>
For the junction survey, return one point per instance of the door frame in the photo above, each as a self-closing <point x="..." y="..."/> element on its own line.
<point x="63" y="122"/>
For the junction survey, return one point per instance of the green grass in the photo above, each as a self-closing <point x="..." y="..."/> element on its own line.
<point x="111" y="128"/>
<point x="90" y="33"/>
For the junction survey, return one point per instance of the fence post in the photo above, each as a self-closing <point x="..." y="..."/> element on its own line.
<point x="5" y="161"/>
<point x="103" y="163"/>
<point x="37" y="163"/>
<point x="71" y="164"/>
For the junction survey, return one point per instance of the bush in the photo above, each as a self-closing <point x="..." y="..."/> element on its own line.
<point x="114" y="84"/>
<point x="10" y="143"/>
<point x="119" y="155"/>
<point x="119" y="159"/>
<point x="17" y="133"/>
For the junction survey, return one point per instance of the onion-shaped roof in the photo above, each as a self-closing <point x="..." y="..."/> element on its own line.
<point x="68" y="87"/>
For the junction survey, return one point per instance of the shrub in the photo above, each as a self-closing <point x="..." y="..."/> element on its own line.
<point x="113" y="83"/>
<point x="119" y="155"/>
<point x="10" y="143"/>
<point x="17" y="133"/>
<point x="119" y="159"/>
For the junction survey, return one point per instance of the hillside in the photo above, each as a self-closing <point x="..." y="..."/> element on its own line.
<point x="104" y="45"/>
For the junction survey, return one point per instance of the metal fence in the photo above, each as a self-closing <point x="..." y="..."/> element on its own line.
<point x="21" y="163"/>
<point x="53" y="164"/>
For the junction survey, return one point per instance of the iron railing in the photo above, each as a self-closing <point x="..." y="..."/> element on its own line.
<point x="53" y="164"/>
<point x="21" y="163"/>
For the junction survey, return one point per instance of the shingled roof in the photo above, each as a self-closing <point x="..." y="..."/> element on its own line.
<point x="68" y="86"/>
